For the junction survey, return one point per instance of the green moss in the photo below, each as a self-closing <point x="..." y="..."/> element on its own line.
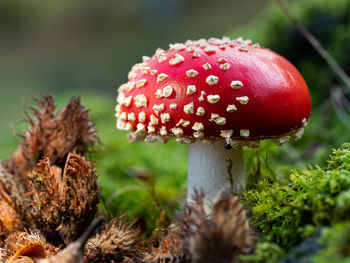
<point x="336" y="240"/>
<point x="286" y="211"/>
<point x="264" y="252"/>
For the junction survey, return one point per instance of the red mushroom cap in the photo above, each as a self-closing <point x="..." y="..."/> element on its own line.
<point x="215" y="89"/>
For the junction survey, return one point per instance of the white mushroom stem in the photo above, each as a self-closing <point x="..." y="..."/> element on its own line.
<point x="208" y="169"/>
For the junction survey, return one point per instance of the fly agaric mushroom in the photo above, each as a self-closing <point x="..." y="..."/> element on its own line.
<point x="230" y="91"/>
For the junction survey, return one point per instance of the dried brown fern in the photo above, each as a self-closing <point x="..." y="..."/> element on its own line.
<point x="220" y="237"/>
<point x="64" y="202"/>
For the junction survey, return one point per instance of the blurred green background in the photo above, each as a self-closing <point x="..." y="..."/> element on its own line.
<point x="86" y="47"/>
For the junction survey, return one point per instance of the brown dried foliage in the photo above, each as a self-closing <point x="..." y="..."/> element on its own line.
<point x="64" y="203"/>
<point x="12" y="200"/>
<point x="9" y="218"/>
<point x="53" y="135"/>
<point x="25" y="247"/>
<point x="116" y="242"/>
<point x="170" y="249"/>
<point x="49" y="135"/>
<point x="219" y="237"/>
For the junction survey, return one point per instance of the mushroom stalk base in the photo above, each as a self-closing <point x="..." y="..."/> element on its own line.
<point x="208" y="170"/>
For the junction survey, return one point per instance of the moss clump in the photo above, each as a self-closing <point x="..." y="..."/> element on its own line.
<point x="336" y="240"/>
<point x="290" y="210"/>
<point x="264" y="252"/>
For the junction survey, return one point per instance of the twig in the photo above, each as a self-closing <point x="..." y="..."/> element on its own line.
<point x="316" y="44"/>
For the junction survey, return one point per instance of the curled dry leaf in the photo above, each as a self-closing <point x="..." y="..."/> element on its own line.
<point x="64" y="202"/>
<point x="219" y="237"/>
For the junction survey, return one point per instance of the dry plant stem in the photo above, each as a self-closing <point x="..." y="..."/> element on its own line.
<point x="207" y="169"/>
<point x="314" y="42"/>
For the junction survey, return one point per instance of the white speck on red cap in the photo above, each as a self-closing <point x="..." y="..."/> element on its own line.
<point x="191" y="89"/>
<point x="222" y="60"/>
<point x="176" y="60"/>
<point x="220" y="121"/>
<point x="158" y="108"/>
<point x="226" y="133"/>
<point x="191" y="73"/>
<point x="167" y="91"/>
<point x="151" y="129"/>
<point x="190" y="49"/>
<point x="195" y="54"/>
<point x="236" y="84"/>
<point x="231" y="108"/>
<point x="142" y="116"/>
<point x="154" y="120"/>
<point x="177" y="46"/>
<point x="153" y="71"/>
<point x="198" y="126"/>
<point x="198" y="135"/>
<point x="177" y="131"/>
<point x="201" y="98"/>
<point x="243" y="100"/>
<point x="163" y="131"/>
<point x="189" y="108"/>
<point x="206" y="66"/>
<point x="214" y="116"/>
<point x="173" y="106"/>
<point x="165" y="117"/>
<point x="161" y="77"/>
<point x="244" y="133"/>
<point x="209" y="50"/>
<point x="126" y="102"/>
<point x="225" y="66"/>
<point x="140" y="128"/>
<point x="123" y="116"/>
<point x="145" y="70"/>
<point x="212" y="80"/>
<point x="132" y="74"/>
<point x="200" y="111"/>
<point x="213" y="98"/>
<point x="159" y="93"/>
<point x="140" y="101"/>
<point x="183" y="123"/>
<point x="145" y="58"/>
<point x="131" y="116"/>
<point x="140" y="83"/>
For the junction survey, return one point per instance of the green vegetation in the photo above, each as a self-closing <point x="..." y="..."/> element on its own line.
<point x="289" y="210"/>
